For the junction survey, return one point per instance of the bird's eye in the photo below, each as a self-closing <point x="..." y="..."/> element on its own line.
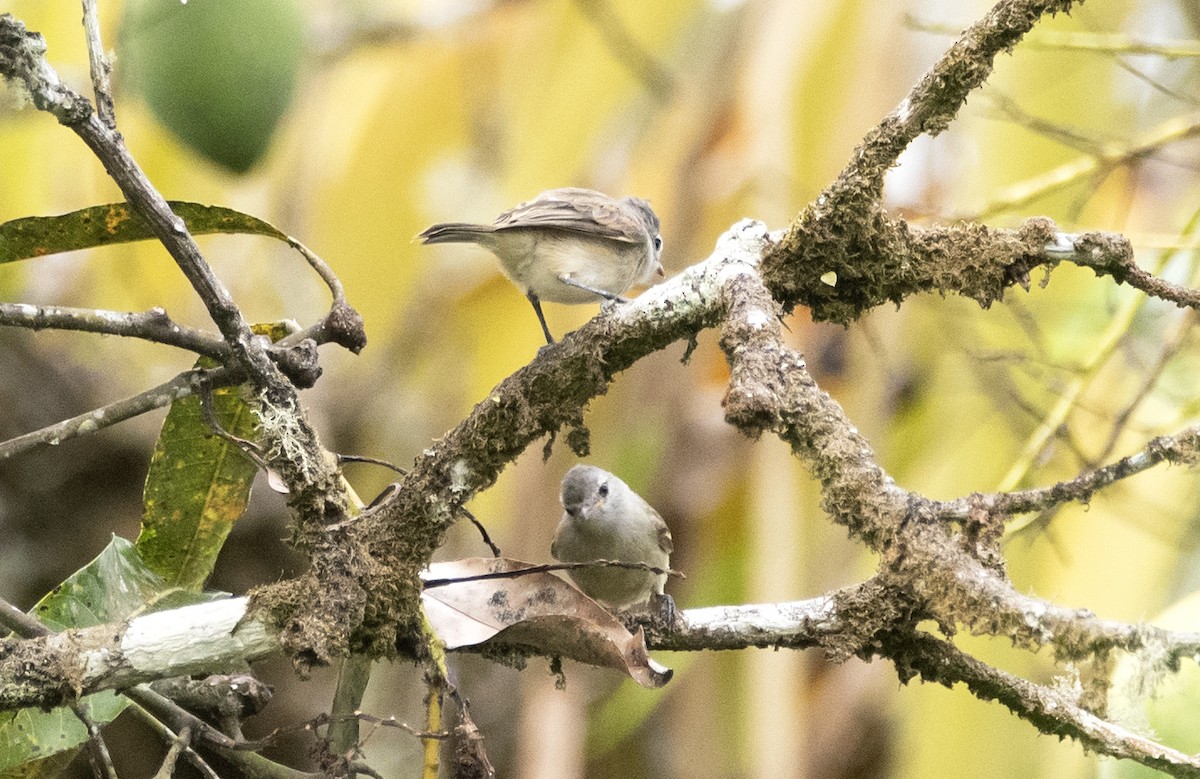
<point x="658" y="243"/>
<point x="603" y="490"/>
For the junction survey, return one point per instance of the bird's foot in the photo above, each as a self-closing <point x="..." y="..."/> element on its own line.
<point x="663" y="612"/>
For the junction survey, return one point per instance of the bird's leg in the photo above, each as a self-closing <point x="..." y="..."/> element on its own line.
<point x="603" y="293"/>
<point x="537" y="309"/>
<point x="663" y="609"/>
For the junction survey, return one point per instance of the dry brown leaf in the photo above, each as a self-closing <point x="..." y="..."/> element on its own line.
<point x="536" y="609"/>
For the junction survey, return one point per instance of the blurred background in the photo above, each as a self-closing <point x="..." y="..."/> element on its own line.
<point x="355" y="125"/>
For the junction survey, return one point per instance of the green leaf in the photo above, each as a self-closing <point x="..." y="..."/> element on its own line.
<point x="42" y="743"/>
<point x="110" y="588"/>
<point x="87" y="228"/>
<point x="197" y="487"/>
<point x="219" y="73"/>
<point x="113" y="587"/>
<point x="40" y="768"/>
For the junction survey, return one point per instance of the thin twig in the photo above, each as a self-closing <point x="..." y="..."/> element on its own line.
<point x="323" y="270"/>
<point x="98" y="754"/>
<point x="1125" y="271"/>
<point x="21" y="623"/>
<point x="483" y="532"/>
<point x="1173" y="342"/>
<point x="1182" y="447"/>
<point x="173" y="737"/>
<point x="23" y="58"/>
<point x="362" y="458"/>
<point x="154" y="325"/>
<point x="181" y="386"/>
<point x="356" y="458"/>
<point x="182" y="740"/>
<point x="209" y="413"/>
<point x="98" y="63"/>
<point x="430" y="583"/>
<point x="175" y="717"/>
<point x="342" y="325"/>
<point x="1049" y="710"/>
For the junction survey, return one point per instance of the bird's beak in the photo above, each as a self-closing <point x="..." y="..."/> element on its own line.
<point x="659" y="270"/>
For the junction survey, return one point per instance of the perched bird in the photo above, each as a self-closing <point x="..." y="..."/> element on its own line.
<point x="567" y="245"/>
<point x="605" y="520"/>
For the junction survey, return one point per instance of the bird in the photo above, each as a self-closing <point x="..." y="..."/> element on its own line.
<point x="567" y="245"/>
<point x="604" y="519"/>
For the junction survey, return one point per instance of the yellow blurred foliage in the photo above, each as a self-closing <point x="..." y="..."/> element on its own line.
<point x="763" y="104"/>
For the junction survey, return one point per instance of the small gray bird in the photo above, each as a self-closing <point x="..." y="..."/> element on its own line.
<point x="567" y="245"/>
<point x="605" y="520"/>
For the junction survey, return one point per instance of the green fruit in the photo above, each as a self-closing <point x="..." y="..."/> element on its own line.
<point x="218" y="73"/>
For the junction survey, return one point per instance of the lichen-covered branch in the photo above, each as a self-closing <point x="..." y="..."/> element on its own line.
<point x="1112" y="255"/>
<point x="1052" y="711"/>
<point x="843" y="256"/>
<point x="207" y="638"/>
<point x="845" y="230"/>
<point x="540" y="399"/>
<point x="1182" y="448"/>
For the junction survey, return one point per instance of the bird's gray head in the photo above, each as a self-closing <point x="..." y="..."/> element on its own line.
<point x="649" y="220"/>
<point x="584" y="487"/>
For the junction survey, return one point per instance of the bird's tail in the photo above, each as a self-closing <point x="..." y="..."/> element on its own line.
<point x="455" y="232"/>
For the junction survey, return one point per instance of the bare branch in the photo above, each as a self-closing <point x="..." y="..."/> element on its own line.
<point x="181" y="741"/>
<point x="21" y="623"/>
<point x="100" y="67"/>
<point x="98" y="754"/>
<point x="1182" y="448"/>
<point x="153" y="325"/>
<point x="22" y="58"/>
<point x="187" y="383"/>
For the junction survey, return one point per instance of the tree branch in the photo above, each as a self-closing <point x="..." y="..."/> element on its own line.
<point x="1182" y="448"/>
<point x="187" y="383"/>
<point x="22" y="58"/>
<point x="316" y="490"/>
<point x="211" y="637"/>
<point x="1051" y="711"/>
<point x="153" y="325"/>
<point x="845" y="231"/>
<point x="98" y="64"/>
<point x="1112" y="255"/>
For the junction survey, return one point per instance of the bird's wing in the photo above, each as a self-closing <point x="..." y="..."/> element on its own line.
<point x="554" y="544"/>
<point x="578" y="210"/>
<point x="665" y="541"/>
